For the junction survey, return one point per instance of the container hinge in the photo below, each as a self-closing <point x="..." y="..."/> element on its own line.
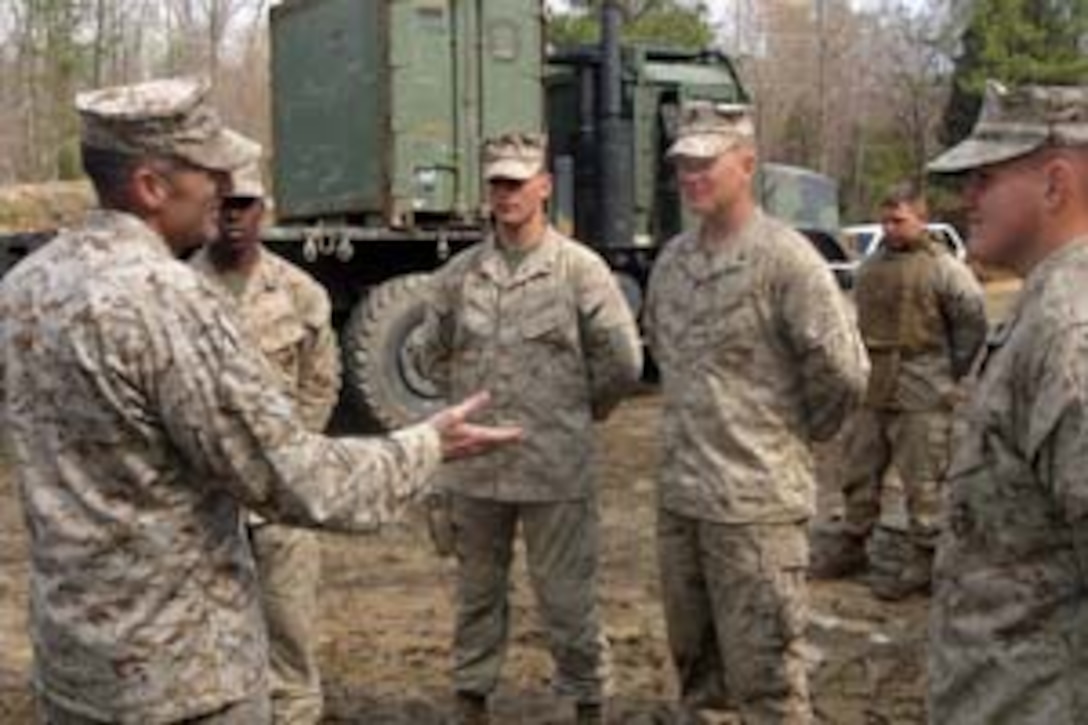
<point x="310" y="245"/>
<point x="345" y="250"/>
<point x="326" y="244"/>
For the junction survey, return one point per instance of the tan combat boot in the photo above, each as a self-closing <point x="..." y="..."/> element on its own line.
<point x="472" y="709"/>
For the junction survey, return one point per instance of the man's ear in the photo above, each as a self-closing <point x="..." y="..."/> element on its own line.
<point x="146" y="188"/>
<point x="1061" y="184"/>
<point x="546" y="186"/>
<point x="749" y="160"/>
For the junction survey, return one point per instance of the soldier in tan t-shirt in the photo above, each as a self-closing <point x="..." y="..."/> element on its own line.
<point x="286" y="314"/>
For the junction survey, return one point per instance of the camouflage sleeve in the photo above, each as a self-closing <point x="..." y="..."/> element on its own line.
<point x="221" y="409"/>
<point x="1054" y="392"/>
<point x="964" y="310"/>
<point x="609" y="336"/>
<point x="825" y="342"/>
<point x="319" y="363"/>
<point x="432" y="346"/>
<point x="648" y="314"/>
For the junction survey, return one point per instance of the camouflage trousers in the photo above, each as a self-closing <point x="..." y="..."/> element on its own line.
<point x="918" y="445"/>
<point x="254" y="711"/>
<point x="289" y="569"/>
<point x="561" y="546"/>
<point x="736" y="607"/>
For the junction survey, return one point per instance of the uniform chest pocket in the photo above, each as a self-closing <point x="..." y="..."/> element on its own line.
<point x="547" y="321"/>
<point x="476" y="322"/>
<point x="476" y="314"/>
<point x="281" y="342"/>
<point x="727" y="330"/>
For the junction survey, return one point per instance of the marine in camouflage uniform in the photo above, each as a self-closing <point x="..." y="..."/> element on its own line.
<point x="140" y="422"/>
<point x="1010" y="610"/>
<point x="286" y="315"/>
<point x="923" y="319"/>
<point x="758" y="358"/>
<point x="538" y="320"/>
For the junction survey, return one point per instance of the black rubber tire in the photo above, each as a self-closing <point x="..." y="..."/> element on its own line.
<point x="379" y="379"/>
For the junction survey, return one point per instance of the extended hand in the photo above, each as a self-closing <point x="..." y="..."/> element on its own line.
<point x="462" y="439"/>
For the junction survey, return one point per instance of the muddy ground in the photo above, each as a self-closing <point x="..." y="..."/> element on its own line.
<point x="387" y="613"/>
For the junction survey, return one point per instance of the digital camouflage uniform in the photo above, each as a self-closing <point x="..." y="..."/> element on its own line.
<point x="1010" y="613"/>
<point x="922" y="317"/>
<point x="552" y="339"/>
<point x="287" y="315"/>
<point x="758" y="357"/>
<point x="140" y="423"/>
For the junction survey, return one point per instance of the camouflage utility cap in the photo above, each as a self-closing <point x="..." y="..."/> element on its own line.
<point x="515" y="156"/>
<point x="1016" y="122"/>
<point x="708" y="130"/>
<point x="246" y="181"/>
<point x="168" y="117"/>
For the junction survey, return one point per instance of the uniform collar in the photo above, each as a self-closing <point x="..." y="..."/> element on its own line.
<point x="122" y="225"/>
<point x="927" y="244"/>
<point x="1037" y="280"/>
<point x="702" y="262"/>
<point x="1050" y="264"/>
<point x="261" y="278"/>
<point x="539" y="261"/>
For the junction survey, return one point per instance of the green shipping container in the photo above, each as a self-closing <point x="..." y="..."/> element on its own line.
<point x="380" y="106"/>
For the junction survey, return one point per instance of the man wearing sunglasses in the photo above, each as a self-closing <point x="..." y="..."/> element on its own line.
<point x="286" y="314"/>
<point x="539" y="319"/>
<point x="758" y="358"/>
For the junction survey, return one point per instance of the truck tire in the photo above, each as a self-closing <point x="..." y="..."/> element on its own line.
<point x="380" y="378"/>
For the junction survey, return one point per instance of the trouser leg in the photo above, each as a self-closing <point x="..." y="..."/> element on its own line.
<point x="756" y="578"/>
<point x="923" y="448"/>
<point x="562" y="544"/>
<point x="921" y="442"/>
<point x="868" y="456"/>
<point x="693" y="641"/>
<point x="289" y="570"/>
<point x="483" y="535"/>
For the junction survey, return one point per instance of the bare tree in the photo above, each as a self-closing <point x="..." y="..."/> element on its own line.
<point x="201" y="30"/>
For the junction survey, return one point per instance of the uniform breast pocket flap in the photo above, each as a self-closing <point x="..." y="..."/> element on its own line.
<point x="280" y="342"/>
<point x="729" y="328"/>
<point x="544" y="323"/>
<point x="475" y="322"/>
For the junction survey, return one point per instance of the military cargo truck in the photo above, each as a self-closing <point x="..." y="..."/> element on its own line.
<point x="379" y="113"/>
